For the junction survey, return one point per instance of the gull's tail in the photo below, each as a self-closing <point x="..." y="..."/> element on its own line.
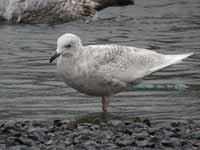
<point x="171" y="60"/>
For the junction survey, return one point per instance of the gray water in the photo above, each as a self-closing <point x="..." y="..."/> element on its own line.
<point x="31" y="89"/>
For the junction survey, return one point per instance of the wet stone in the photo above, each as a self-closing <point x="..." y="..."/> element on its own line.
<point x="196" y="135"/>
<point x="19" y="147"/>
<point x="175" y="124"/>
<point x="38" y="134"/>
<point x="109" y="146"/>
<point x="143" y="143"/>
<point x="125" y="141"/>
<point x="94" y="127"/>
<point x="115" y="122"/>
<point x="57" y="123"/>
<point x="141" y="137"/>
<point x="147" y="122"/>
<point x="81" y="139"/>
<point x="23" y="141"/>
<point x="168" y="133"/>
<point x="152" y="130"/>
<point x="167" y="143"/>
<point x="49" y="142"/>
<point x="68" y="141"/>
<point x="114" y="134"/>
<point x="127" y="122"/>
<point x="107" y="134"/>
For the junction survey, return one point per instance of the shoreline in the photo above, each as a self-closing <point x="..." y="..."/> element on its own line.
<point x="96" y="132"/>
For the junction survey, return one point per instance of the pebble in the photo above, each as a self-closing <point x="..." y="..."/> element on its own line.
<point x="110" y="135"/>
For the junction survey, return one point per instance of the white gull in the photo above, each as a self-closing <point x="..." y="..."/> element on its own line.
<point x="104" y="70"/>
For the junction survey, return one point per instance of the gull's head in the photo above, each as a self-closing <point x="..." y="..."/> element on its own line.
<point x="67" y="44"/>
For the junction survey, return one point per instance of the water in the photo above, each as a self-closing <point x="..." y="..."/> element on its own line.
<point x="31" y="89"/>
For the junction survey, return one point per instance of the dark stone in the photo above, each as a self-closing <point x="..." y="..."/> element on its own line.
<point x="127" y="122"/>
<point x="130" y="148"/>
<point x="196" y="135"/>
<point x="57" y="123"/>
<point x="141" y="137"/>
<point x="154" y="140"/>
<point x="10" y="141"/>
<point x="68" y="141"/>
<point x="175" y="124"/>
<point x="72" y="125"/>
<point x="167" y="143"/>
<point x="38" y="134"/>
<point x="125" y="141"/>
<point x="81" y="139"/>
<point x="144" y="143"/>
<point x="19" y="147"/>
<point x="114" y="134"/>
<point x="109" y="146"/>
<point x="56" y="147"/>
<point x="152" y="130"/>
<point x="147" y="122"/>
<point x="95" y="127"/>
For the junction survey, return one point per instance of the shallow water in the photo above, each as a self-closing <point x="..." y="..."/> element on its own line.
<point x="31" y="89"/>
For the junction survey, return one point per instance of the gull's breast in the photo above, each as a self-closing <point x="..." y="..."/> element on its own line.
<point x="86" y="80"/>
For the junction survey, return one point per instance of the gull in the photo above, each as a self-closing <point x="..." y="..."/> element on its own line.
<point x="104" y="70"/>
<point x="47" y="11"/>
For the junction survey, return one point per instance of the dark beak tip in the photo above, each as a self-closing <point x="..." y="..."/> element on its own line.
<point x="53" y="57"/>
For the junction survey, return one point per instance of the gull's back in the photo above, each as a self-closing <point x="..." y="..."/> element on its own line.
<point x="127" y="64"/>
<point x="122" y="62"/>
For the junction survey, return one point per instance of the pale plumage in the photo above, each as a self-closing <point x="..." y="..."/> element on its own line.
<point x="103" y="70"/>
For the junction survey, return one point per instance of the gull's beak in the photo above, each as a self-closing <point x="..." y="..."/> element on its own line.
<point x="53" y="57"/>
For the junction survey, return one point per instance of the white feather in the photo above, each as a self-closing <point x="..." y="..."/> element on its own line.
<point x="103" y="70"/>
<point x="171" y="60"/>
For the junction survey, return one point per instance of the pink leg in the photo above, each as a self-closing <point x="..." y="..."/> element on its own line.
<point x="105" y="103"/>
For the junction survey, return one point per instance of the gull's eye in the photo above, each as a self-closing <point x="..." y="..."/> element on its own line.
<point x="68" y="46"/>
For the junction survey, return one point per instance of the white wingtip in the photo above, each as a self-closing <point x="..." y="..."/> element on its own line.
<point x="183" y="56"/>
<point x="171" y="60"/>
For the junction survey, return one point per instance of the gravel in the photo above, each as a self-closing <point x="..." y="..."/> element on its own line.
<point x="98" y="135"/>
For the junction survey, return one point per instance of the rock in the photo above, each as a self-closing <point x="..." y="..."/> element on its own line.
<point x="141" y="137"/>
<point x="10" y="141"/>
<point x="175" y="124"/>
<point x="68" y="141"/>
<point x="24" y="141"/>
<point x="81" y="139"/>
<point x="167" y="143"/>
<point x="38" y="134"/>
<point x="109" y="146"/>
<point x="127" y="122"/>
<point x="57" y="123"/>
<point x="114" y="134"/>
<point x="196" y="135"/>
<point x="52" y="11"/>
<point x="115" y="122"/>
<point x="56" y="147"/>
<point x="19" y="147"/>
<point x="153" y="130"/>
<point x="147" y="122"/>
<point x="49" y="142"/>
<point x="95" y="127"/>
<point x="125" y="141"/>
<point x="143" y="143"/>
<point x="130" y="148"/>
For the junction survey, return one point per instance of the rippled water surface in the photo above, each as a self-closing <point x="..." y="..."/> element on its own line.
<point x="31" y="89"/>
